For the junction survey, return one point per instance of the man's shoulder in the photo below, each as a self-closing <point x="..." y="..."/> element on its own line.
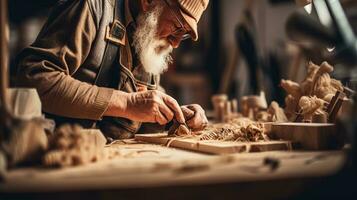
<point x="99" y="7"/>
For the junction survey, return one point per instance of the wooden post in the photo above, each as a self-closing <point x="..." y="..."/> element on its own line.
<point x="3" y="83"/>
<point x="5" y="117"/>
<point x="4" y="40"/>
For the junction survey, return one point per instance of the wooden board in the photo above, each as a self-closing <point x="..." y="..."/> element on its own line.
<point x="310" y="136"/>
<point x="215" y="147"/>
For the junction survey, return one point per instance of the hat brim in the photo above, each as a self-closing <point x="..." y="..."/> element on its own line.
<point x="192" y="23"/>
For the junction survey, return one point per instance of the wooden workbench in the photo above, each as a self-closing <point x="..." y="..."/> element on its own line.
<point x="152" y="166"/>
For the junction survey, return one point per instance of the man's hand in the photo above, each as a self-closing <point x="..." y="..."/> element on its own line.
<point x="195" y="117"/>
<point x="149" y="106"/>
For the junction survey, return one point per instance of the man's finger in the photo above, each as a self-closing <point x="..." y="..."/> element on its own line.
<point x="168" y="114"/>
<point x="173" y="105"/>
<point x="204" y="117"/>
<point x="160" y="119"/>
<point x="194" y="122"/>
<point x="198" y="122"/>
<point x="189" y="114"/>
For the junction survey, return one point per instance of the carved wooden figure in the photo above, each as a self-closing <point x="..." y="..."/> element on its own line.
<point x="71" y="145"/>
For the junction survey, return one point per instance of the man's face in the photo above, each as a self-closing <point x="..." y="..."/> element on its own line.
<point x="158" y="32"/>
<point x="171" y="25"/>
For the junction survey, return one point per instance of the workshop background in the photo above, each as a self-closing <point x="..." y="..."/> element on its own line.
<point x="243" y="49"/>
<point x="200" y="68"/>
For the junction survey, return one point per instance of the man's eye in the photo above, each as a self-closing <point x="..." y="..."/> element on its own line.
<point x="177" y="26"/>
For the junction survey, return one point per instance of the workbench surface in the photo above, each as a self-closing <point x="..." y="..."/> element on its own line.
<point x="144" y="165"/>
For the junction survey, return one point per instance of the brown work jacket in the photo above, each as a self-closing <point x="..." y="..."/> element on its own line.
<point x="64" y="62"/>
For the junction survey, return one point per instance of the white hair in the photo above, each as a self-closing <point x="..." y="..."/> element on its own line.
<point x="154" y="53"/>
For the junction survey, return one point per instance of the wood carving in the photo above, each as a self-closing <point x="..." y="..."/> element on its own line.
<point x="273" y="114"/>
<point x="292" y="88"/>
<point x="218" y="105"/>
<point x="294" y="93"/>
<point x="224" y="109"/>
<point x="324" y="86"/>
<point x="311" y="106"/>
<point x="277" y="114"/>
<point x="291" y="105"/>
<point x="310" y="97"/>
<point x="178" y="129"/>
<point x="307" y="83"/>
<point x="71" y="146"/>
<point x="306" y="101"/>
<point x="253" y="105"/>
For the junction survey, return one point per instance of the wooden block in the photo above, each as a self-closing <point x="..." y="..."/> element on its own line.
<point x="215" y="147"/>
<point x="234" y="106"/>
<point x="310" y="136"/>
<point x="218" y="102"/>
<point x="96" y="137"/>
<point x="25" y="103"/>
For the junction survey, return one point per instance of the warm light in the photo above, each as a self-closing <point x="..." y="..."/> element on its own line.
<point x="308" y="8"/>
<point x="331" y="49"/>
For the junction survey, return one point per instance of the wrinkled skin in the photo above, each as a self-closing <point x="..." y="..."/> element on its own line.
<point x="195" y="116"/>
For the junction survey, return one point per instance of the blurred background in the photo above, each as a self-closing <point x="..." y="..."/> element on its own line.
<point x="242" y="49"/>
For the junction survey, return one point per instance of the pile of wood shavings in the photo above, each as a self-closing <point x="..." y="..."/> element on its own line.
<point x="238" y="130"/>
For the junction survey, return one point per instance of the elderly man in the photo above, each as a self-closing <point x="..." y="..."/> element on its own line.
<point x="97" y="63"/>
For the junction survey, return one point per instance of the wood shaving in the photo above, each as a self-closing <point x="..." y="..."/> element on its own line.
<point x="239" y="130"/>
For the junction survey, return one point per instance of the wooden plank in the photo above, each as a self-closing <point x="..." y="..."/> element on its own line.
<point x="310" y="136"/>
<point x="215" y="147"/>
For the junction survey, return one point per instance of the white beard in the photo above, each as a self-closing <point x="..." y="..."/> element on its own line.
<point x="154" y="54"/>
